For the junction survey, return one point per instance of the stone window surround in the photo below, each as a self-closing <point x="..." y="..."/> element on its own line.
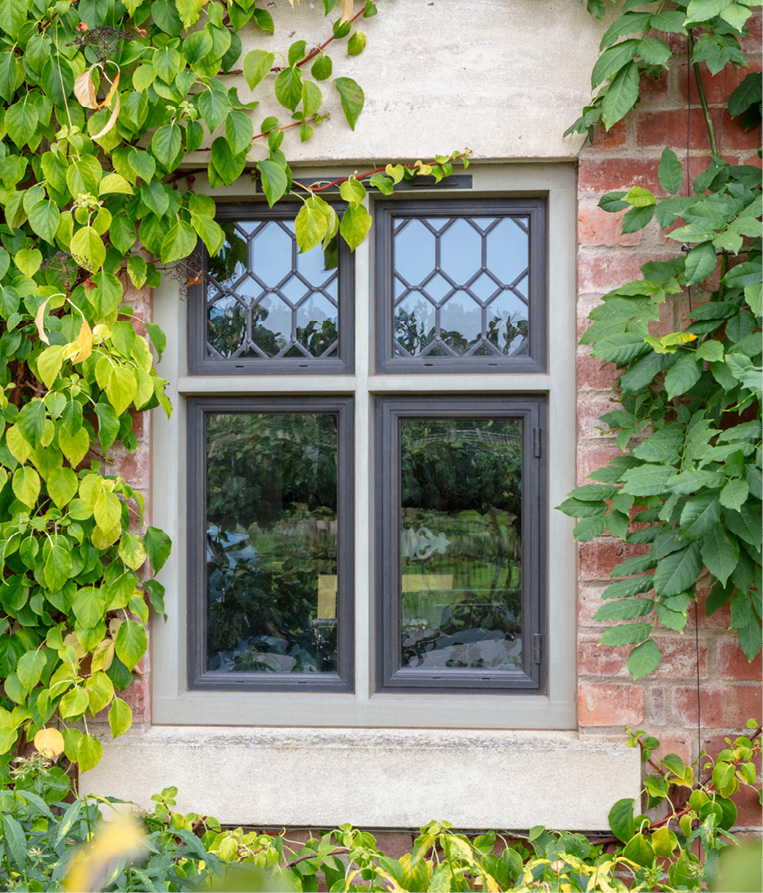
<point x="388" y="760"/>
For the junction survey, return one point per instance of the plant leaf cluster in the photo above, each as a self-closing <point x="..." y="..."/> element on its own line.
<point x="687" y="490"/>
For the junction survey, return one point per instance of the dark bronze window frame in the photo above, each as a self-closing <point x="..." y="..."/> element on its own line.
<point x="342" y="363"/>
<point x="198" y="677"/>
<point x="385" y="211"/>
<point x="532" y="411"/>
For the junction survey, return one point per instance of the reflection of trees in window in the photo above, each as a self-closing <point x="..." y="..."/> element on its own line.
<point x="270" y="303"/>
<point x="508" y="337"/>
<point x="271" y="534"/>
<point x="461" y="484"/>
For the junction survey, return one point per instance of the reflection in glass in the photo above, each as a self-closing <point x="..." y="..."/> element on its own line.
<point x="460" y="287"/>
<point x="271" y="553"/>
<point x="265" y="300"/>
<point x="461" y="544"/>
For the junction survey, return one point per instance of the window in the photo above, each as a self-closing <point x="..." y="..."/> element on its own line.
<point x="366" y="479"/>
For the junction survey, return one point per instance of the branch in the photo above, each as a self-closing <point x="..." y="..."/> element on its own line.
<point x="702" y="97"/>
<point x="293" y="862"/>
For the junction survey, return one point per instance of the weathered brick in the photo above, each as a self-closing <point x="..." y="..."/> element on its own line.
<point x="597" y="558"/>
<point x="679" y="658"/>
<point x="614" y="138"/>
<point x="599" y="175"/>
<point x="667" y="127"/>
<point x="594" y="374"/>
<point x="605" y="704"/>
<point x="717" y="87"/>
<point x="138" y="697"/>
<point x="601" y="270"/>
<point x="589" y="412"/>
<point x="731" y="663"/>
<point x="724" y="707"/>
<point x="134" y="467"/>
<point x="655" y="91"/>
<point x="597" y="227"/>
<point x="731" y="134"/>
<point x="593" y="455"/>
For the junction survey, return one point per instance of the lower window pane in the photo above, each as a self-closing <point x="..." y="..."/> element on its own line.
<point x="271" y="542"/>
<point x="461" y="544"/>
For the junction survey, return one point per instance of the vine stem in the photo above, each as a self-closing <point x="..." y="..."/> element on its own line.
<point x="702" y="97"/>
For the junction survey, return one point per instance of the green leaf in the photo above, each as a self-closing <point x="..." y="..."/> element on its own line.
<point x="239" y="132"/>
<point x="21" y="122"/>
<point x="647" y="480"/>
<point x="669" y="172"/>
<point x="228" y="166"/>
<point x="257" y="64"/>
<point x="15" y="840"/>
<point x="678" y="571"/>
<point x="209" y="232"/>
<point x="311" y="225"/>
<point x="132" y="551"/>
<point x="89" y="752"/>
<point x="356" y="222"/>
<point x="288" y="87"/>
<point x="734" y="494"/>
<point x="704" y="10"/>
<point x="73" y="703"/>
<point x="747" y="624"/>
<point x="700" y="514"/>
<point x="131" y="643"/>
<point x="746" y="524"/>
<point x="654" y="52"/>
<point x="637" y="218"/>
<point x="274" y="181"/>
<point x="621" y="820"/>
<point x="89" y="606"/>
<point x="322" y="67"/>
<point x="114" y="183"/>
<point x="31" y="421"/>
<point x="158" y="545"/>
<point x="214" y="108"/>
<point x="351" y="98"/>
<point x="640" y="197"/>
<point x="352" y="191"/>
<point x="639" y="849"/>
<point x="683" y="376"/>
<point x="167" y="143"/>
<point x="356" y="44"/>
<point x="621" y="96"/>
<point x="700" y="263"/>
<point x="644" y="659"/>
<point x="189" y="11"/>
<point x="628" y="634"/>
<point x="748" y="93"/>
<point x="87" y="249"/>
<point x="720" y="553"/>
<point x="62" y="486"/>
<point x="30" y="667"/>
<point x="179" y="242"/>
<point x="120" y="717"/>
<point x="625" y="609"/>
<point x="44" y="218"/>
<point x="26" y="485"/>
<point x="612" y="60"/>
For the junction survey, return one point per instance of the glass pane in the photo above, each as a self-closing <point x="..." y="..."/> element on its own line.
<point x="265" y="300"/>
<point x="271" y="551"/>
<point x="461" y="544"/>
<point x="460" y="286"/>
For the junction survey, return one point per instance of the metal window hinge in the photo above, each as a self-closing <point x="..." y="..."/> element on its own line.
<point x="536" y="442"/>
<point x="537" y="647"/>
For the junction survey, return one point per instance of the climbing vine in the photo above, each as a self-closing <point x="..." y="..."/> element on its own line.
<point x="688" y="485"/>
<point x="102" y="103"/>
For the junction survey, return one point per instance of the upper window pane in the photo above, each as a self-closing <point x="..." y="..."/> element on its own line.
<point x="461" y="286"/>
<point x="264" y="307"/>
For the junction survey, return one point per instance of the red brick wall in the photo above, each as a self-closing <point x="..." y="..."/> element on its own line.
<point x="666" y="703"/>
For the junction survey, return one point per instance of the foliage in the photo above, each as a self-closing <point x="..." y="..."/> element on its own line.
<point x="41" y="845"/>
<point x="101" y="103"/>
<point x="688" y="488"/>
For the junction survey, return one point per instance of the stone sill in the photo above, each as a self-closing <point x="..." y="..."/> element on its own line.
<point x="373" y="778"/>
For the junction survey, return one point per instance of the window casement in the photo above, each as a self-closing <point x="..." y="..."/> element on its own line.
<point x="370" y="448"/>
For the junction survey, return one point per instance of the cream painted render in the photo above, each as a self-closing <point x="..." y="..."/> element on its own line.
<point x="506" y="79"/>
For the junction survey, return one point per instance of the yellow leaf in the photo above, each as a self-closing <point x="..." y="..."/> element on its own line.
<point x="85" y="342"/>
<point x="110" y="94"/>
<point x="38" y="317"/>
<point x="346" y="10"/>
<point x="121" y="838"/>
<point x="85" y="91"/>
<point x="111" y="122"/>
<point x="50" y="743"/>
